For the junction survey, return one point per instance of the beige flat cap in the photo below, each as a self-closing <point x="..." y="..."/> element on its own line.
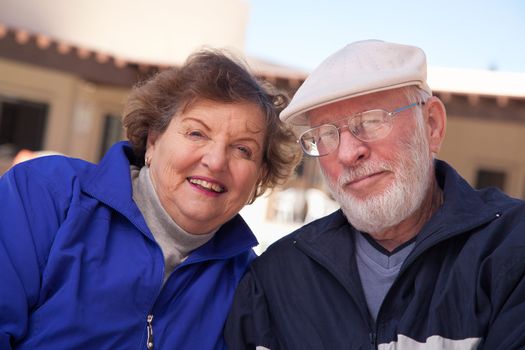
<point x="359" y="68"/>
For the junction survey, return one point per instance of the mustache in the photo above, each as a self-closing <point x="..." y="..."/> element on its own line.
<point x="364" y="170"/>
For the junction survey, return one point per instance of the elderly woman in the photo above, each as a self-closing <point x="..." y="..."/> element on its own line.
<point x="145" y="249"/>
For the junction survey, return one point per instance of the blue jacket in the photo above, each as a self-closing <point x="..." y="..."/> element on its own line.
<point x="462" y="286"/>
<point x="79" y="268"/>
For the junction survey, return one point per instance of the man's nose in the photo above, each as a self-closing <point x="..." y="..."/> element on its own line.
<point x="351" y="150"/>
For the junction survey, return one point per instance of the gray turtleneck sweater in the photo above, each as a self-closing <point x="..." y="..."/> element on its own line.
<point x="175" y="243"/>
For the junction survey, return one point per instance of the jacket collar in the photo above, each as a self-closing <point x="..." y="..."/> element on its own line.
<point x="110" y="183"/>
<point x="463" y="209"/>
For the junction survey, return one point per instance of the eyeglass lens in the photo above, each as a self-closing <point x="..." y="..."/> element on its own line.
<point x="366" y="126"/>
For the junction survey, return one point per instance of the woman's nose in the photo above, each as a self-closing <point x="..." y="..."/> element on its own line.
<point x="215" y="157"/>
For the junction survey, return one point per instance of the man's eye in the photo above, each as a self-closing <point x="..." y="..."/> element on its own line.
<point x="327" y="134"/>
<point x="371" y="123"/>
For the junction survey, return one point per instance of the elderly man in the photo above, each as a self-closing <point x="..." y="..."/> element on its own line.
<point x="415" y="258"/>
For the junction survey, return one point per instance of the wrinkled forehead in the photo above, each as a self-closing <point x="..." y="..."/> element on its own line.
<point x="387" y="100"/>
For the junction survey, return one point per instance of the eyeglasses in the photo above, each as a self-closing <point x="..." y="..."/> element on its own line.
<point x="366" y="126"/>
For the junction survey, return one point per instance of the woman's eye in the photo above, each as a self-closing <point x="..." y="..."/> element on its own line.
<point x="245" y="151"/>
<point x="195" y="134"/>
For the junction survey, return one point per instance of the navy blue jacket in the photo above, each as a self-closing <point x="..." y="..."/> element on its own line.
<point x="462" y="287"/>
<point x="80" y="269"/>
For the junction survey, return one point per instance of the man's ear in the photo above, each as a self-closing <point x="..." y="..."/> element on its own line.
<point x="436" y="120"/>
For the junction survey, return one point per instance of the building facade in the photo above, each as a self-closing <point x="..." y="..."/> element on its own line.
<point x="68" y="98"/>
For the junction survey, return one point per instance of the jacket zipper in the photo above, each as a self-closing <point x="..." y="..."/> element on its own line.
<point x="149" y="318"/>
<point x="372" y="340"/>
<point x="149" y="341"/>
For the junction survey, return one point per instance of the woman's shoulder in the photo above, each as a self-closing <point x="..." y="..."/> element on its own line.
<point x="55" y="172"/>
<point x="52" y="165"/>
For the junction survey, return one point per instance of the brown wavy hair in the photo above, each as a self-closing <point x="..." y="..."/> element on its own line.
<point x="217" y="76"/>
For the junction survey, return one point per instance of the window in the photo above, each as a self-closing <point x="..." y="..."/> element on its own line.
<point x="22" y="123"/>
<point x="112" y="133"/>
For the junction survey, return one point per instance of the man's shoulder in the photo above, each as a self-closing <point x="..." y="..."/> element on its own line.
<point x="496" y="197"/>
<point x="285" y="248"/>
<point x="507" y="209"/>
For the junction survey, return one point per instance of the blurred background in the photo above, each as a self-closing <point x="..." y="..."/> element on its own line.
<point x="67" y="66"/>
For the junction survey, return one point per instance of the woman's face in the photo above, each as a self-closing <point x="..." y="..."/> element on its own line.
<point x="206" y="165"/>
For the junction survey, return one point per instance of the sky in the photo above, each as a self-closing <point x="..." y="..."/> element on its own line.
<point x="454" y="33"/>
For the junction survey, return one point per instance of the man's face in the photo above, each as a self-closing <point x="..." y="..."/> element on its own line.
<point x="378" y="183"/>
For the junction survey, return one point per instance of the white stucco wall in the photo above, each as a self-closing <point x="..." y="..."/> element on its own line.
<point x="154" y="31"/>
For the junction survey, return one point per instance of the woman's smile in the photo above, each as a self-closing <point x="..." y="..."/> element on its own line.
<point x="207" y="185"/>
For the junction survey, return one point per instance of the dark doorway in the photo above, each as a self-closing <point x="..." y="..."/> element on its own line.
<point x="22" y="123"/>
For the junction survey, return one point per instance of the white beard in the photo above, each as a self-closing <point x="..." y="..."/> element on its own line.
<point x="413" y="177"/>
